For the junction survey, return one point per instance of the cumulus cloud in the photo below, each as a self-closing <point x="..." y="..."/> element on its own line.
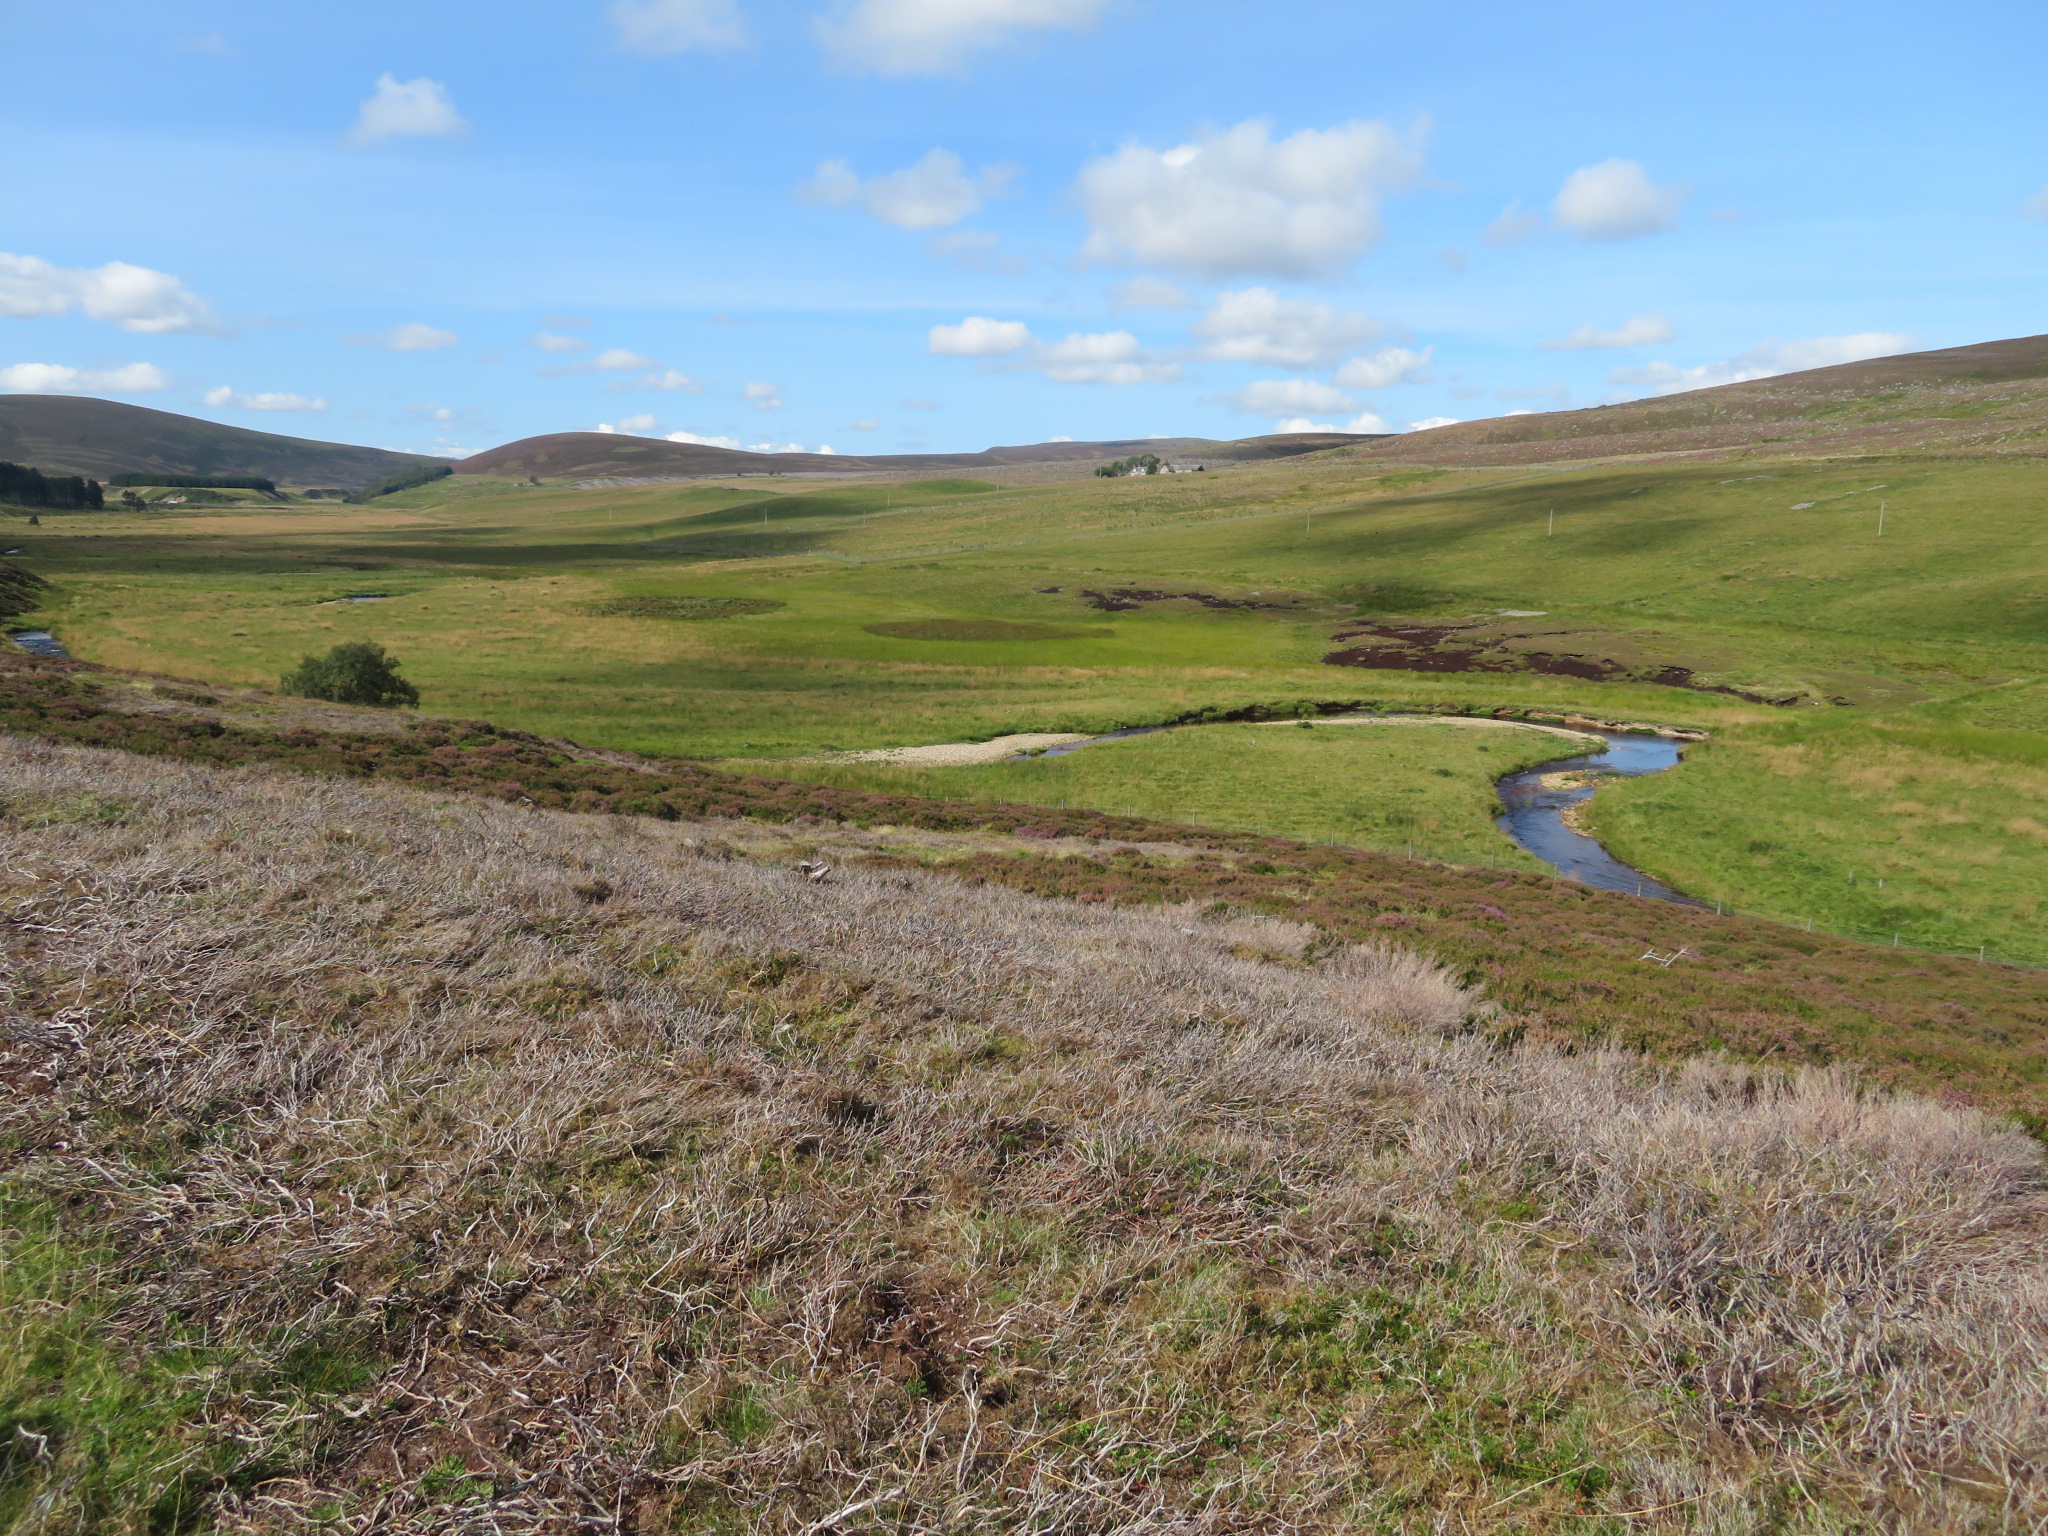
<point x="1150" y="293"/>
<point x="764" y="397"/>
<point x="1636" y="331"/>
<point x="979" y="336"/>
<point x="1238" y="203"/>
<point x="411" y="337"/>
<point x="1515" y="225"/>
<point x="931" y="194"/>
<point x="703" y="442"/>
<point x="1615" y="200"/>
<point x="931" y="37"/>
<point x="1366" y="422"/>
<point x="619" y="360"/>
<point x="1103" y="357"/>
<point x="57" y="379"/>
<point x="1290" y="397"/>
<point x="130" y="297"/>
<point x="866" y="424"/>
<point x="225" y="398"/>
<point x="1429" y="422"/>
<point x="665" y="378"/>
<point x="1256" y="325"/>
<point x="406" y="109"/>
<point x="633" y="426"/>
<point x="1765" y="361"/>
<point x="1389" y="365"/>
<point x="663" y="27"/>
<point x="554" y="341"/>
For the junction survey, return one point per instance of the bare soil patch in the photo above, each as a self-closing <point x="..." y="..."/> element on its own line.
<point x="1415" y="647"/>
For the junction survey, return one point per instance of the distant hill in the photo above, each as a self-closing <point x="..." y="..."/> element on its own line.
<point x="62" y="434"/>
<point x="609" y="455"/>
<point x="1987" y="398"/>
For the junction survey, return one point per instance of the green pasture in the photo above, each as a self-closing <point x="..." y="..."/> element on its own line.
<point x="1423" y="786"/>
<point x="640" y="618"/>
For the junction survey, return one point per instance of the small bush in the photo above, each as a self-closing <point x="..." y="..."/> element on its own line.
<point x="354" y="672"/>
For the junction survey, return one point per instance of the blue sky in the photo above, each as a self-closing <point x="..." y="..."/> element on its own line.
<point x="911" y="225"/>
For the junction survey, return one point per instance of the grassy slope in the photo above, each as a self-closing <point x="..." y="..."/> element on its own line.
<point x="1564" y="962"/>
<point x="532" y="1173"/>
<point x="1706" y="566"/>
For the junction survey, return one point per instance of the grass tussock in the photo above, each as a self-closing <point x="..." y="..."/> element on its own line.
<point x="459" y="1166"/>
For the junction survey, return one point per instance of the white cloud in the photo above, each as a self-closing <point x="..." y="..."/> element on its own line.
<point x="1636" y="331"/>
<point x="635" y="426"/>
<point x="1103" y="357"/>
<point x="1256" y="325"/>
<point x="1059" y="437"/>
<point x="1290" y="397"/>
<point x="670" y="379"/>
<point x="1237" y="203"/>
<point x="56" y="379"/>
<point x="2036" y="207"/>
<point x="704" y="442"/>
<point x="1429" y="422"/>
<point x="978" y="336"/>
<point x="1365" y="423"/>
<point x="411" y="337"/>
<point x="133" y="298"/>
<point x="1764" y="362"/>
<point x="1515" y="225"/>
<point x="225" y="398"/>
<point x="619" y="360"/>
<point x="1388" y="366"/>
<point x="662" y="27"/>
<point x="406" y="109"/>
<point x="930" y="37"/>
<point x="764" y="397"/>
<point x="554" y="341"/>
<point x="867" y="424"/>
<point x="931" y="194"/>
<point x="1615" y="200"/>
<point x="1106" y="357"/>
<point x="1150" y="293"/>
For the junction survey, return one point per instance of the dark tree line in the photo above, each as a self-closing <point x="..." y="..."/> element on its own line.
<point x="26" y="487"/>
<point x="201" y="482"/>
<point x="404" y="480"/>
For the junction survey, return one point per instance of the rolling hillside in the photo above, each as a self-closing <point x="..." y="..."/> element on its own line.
<point x="607" y="455"/>
<point x="71" y="436"/>
<point x="1988" y="398"/>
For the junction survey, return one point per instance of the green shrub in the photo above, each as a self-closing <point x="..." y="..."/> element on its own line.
<point x="354" y="672"/>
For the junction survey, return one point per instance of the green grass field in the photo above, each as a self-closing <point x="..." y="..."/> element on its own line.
<point x="1426" y="786"/>
<point x="953" y="610"/>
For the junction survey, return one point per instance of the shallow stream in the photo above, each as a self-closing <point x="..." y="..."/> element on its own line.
<point x="1533" y="815"/>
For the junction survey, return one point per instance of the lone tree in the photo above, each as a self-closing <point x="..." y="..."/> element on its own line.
<point x="354" y="672"/>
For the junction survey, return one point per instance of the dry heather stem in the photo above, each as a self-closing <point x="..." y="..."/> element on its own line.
<point x="664" y="1192"/>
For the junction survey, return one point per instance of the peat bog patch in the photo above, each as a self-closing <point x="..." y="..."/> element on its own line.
<point x="1414" y="647"/>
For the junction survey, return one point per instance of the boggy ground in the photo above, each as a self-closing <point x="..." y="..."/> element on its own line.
<point x="395" y="1162"/>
